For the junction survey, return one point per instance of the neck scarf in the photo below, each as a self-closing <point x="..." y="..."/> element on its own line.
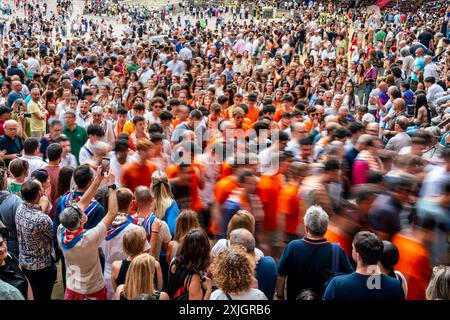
<point x="70" y="238"/>
<point x="120" y="223"/>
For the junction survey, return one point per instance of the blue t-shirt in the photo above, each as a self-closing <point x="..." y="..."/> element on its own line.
<point x="13" y="96"/>
<point x="419" y="64"/>
<point x="170" y="217"/>
<point x="266" y="274"/>
<point x="307" y="264"/>
<point x="94" y="217"/>
<point x="356" y="286"/>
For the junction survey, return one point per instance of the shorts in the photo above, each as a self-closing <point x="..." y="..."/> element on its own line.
<point x="72" y="295"/>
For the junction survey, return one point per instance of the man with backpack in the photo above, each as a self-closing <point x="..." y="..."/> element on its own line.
<point x="367" y="282"/>
<point x="310" y="262"/>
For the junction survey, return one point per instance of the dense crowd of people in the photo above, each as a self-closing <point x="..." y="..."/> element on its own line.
<point x="296" y="158"/>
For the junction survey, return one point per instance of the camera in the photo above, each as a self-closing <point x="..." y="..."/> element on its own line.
<point x="26" y="114"/>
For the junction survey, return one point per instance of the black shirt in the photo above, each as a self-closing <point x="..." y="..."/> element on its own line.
<point x="12" y="146"/>
<point x="11" y="274"/>
<point x="425" y="38"/>
<point x="306" y="263"/>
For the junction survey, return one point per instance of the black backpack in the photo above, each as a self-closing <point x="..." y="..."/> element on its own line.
<point x="334" y="272"/>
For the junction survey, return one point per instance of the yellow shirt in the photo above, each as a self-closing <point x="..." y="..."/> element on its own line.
<point x="35" y="123"/>
<point x="128" y="127"/>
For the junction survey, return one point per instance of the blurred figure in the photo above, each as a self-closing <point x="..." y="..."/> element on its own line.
<point x="414" y="261"/>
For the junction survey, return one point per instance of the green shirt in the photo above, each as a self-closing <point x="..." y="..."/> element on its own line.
<point x="132" y="67"/>
<point x="15" y="188"/>
<point x="380" y="35"/>
<point x="77" y="138"/>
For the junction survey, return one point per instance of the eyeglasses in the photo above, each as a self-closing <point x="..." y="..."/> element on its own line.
<point x="313" y="114"/>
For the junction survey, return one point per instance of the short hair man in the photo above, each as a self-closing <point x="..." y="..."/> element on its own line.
<point x="367" y="282"/>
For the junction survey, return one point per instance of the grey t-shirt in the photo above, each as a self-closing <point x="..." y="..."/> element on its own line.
<point x="400" y="140"/>
<point x="83" y="270"/>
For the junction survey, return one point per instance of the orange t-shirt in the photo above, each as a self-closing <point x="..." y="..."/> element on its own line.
<point x="136" y="174"/>
<point x="253" y="114"/>
<point x="176" y="122"/>
<point x="289" y="204"/>
<point x="308" y="125"/>
<point x="335" y="235"/>
<point x="222" y="190"/>
<point x="415" y="265"/>
<point x="268" y="190"/>
<point x="196" y="202"/>
<point x="278" y="114"/>
<point x="225" y="170"/>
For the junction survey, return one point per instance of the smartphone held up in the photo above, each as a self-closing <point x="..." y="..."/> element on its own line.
<point x="105" y="166"/>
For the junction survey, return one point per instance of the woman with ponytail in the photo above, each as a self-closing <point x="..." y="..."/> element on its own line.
<point x="164" y="206"/>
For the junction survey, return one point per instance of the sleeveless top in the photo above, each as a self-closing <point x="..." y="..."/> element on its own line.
<point x="154" y="296"/>
<point x="178" y="282"/>
<point x="122" y="272"/>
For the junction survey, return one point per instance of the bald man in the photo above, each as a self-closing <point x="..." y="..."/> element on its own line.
<point x="11" y="141"/>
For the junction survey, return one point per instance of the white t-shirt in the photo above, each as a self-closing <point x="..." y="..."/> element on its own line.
<point x="251" y="294"/>
<point x="113" y="251"/>
<point x="34" y="163"/>
<point x="222" y="244"/>
<point x="33" y="65"/>
<point x="83" y="270"/>
<point x="116" y="167"/>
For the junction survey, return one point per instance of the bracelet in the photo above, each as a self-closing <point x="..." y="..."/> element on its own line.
<point x="155" y="231"/>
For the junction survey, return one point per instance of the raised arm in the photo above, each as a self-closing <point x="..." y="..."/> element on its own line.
<point x="112" y="204"/>
<point x="90" y="192"/>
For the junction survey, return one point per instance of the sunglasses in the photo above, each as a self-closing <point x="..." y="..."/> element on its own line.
<point x="158" y="106"/>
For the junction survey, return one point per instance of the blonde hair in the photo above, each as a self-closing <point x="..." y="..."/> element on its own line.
<point x="143" y="145"/>
<point x="134" y="240"/>
<point x="439" y="286"/>
<point x="241" y="219"/>
<point x="140" y="276"/>
<point x="162" y="195"/>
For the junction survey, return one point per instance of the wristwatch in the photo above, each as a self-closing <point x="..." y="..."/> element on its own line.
<point x="112" y="186"/>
